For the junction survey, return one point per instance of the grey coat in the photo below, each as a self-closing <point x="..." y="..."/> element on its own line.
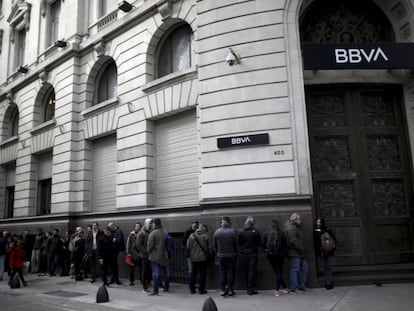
<point x="294" y="239"/>
<point x="157" y="251"/>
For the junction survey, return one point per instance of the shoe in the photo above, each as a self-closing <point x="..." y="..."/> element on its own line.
<point x="92" y="280"/>
<point x="285" y="291"/>
<point x="302" y="289"/>
<point x="224" y="293"/>
<point x="329" y="286"/>
<point x="131" y="283"/>
<point x="276" y="293"/>
<point x="24" y="284"/>
<point x="118" y="282"/>
<point x="202" y="292"/>
<point x="166" y="290"/>
<point x="253" y="292"/>
<point x="231" y="293"/>
<point x="192" y="292"/>
<point x="297" y="292"/>
<point x="153" y="294"/>
<point x="145" y="290"/>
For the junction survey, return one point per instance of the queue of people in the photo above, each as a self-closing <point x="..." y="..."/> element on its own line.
<point x="148" y="250"/>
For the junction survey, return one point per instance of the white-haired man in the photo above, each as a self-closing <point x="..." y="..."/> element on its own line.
<point x="298" y="265"/>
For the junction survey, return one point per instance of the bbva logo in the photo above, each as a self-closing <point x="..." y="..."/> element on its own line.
<point x="359" y="55"/>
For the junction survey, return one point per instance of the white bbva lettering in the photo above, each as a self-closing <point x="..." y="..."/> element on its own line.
<point x="240" y="140"/>
<point x="358" y="55"/>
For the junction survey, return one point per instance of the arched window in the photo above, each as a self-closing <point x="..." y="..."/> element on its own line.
<point x="49" y="105"/>
<point x="14" y="122"/>
<point x="107" y="83"/>
<point x="175" y="52"/>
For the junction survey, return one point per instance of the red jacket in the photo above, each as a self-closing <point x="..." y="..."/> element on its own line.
<point x="17" y="258"/>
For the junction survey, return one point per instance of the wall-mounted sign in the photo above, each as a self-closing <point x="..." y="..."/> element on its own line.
<point x="358" y="56"/>
<point x="257" y="139"/>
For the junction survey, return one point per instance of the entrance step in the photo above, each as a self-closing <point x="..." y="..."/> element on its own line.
<point x="372" y="274"/>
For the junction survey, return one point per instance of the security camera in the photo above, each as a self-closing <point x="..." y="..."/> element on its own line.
<point x="231" y="58"/>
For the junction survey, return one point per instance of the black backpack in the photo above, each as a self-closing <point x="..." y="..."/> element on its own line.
<point x="328" y="243"/>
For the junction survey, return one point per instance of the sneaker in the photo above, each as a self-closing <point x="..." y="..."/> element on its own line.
<point x="285" y="291"/>
<point x="153" y="294"/>
<point x="231" y="293"/>
<point x="253" y="292"/>
<point x="224" y="293"/>
<point x="202" y="292"/>
<point x="276" y="293"/>
<point x="297" y="292"/>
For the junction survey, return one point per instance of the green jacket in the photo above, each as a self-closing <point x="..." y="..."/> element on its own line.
<point x="156" y="247"/>
<point x="196" y="252"/>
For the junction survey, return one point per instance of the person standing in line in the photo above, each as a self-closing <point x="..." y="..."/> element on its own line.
<point x="157" y="254"/>
<point x="3" y="244"/>
<point x="191" y="230"/>
<point x="141" y="245"/>
<point x="199" y="248"/>
<point x="66" y="254"/>
<point x="92" y="241"/>
<point x="28" y="242"/>
<point x="225" y="246"/>
<point x="119" y="246"/>
<point x="274" y="245"/>
<point x="78" y="251"/>
<point x="249" y="242"/>
<point x="325" y="256"/>
<point x="105" y="253"/>
<point x="132" y="251"/>
<point x="37" y="252"/>
<point x="54" y="251"/>
<point x="17" y="258"/>
<point x="298" y="265"/>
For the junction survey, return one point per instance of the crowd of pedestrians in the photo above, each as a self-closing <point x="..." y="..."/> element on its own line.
<point x="94" y="254"/>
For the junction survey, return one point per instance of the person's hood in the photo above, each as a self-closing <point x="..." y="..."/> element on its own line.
<point x="201" y="229"/>
<point x="147" y="224"/>
<point x="248" y="226"/>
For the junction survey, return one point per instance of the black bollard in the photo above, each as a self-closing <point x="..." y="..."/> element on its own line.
<point x="102" y="294"/>
<point x="209" y="305"/>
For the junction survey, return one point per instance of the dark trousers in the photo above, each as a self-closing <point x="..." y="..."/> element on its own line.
<point x="277" y="263"/>
<point x="250" y="263"/>
<point x="105" y="268"/>
<point x="53" y="260"/>
<point x="199" y="267"/>
<point x="19" y="273"/>
<point x="132" y="269"/>
<point x="227" y="272"/>
<point x="146" y="272"/>
<point x="94" y="264"/>
<point x="114" y="268"/>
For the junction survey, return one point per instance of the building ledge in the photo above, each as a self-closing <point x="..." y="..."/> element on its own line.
<point x="43" y="127"/>
<point x="170" y="79"/>
<point x="95" y="109"/>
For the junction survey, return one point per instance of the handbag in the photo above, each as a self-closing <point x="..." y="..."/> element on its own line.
<point x="129" y="261"/>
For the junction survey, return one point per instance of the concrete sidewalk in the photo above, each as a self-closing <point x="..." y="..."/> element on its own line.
<point x="62" y="293"/>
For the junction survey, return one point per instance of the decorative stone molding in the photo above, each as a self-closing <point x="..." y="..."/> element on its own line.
<point x="10" y="98"/>
<point x="100" y="48"/>
<point x="165" y="10"/>
<point x="19" y="17"/>
<point x="43" y="76"/>
<point x="44" y="4"/>
<point x="399" y="11"/>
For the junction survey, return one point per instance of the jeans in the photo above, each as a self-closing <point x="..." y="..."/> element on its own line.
<point x="156" y="270"/>
<point x="35" y="260"/>
<point x="227" y="272"/>
<point x="249" y="265"/>
<point x="298" y="271"/>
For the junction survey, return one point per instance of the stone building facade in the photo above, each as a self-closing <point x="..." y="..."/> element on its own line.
<point x="115" y="115"/>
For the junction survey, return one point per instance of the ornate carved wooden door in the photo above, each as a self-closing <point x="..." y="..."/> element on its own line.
<point x="361" y="172"/>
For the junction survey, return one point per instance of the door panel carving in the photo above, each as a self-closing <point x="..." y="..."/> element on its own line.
<point x="361" y="179"/>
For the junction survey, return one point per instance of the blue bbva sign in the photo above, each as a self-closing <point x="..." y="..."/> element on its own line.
<point x="358" y="56"/>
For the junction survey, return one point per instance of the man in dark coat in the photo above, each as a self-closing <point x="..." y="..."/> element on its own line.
<point x="92" y="241"/>
<point x="225" y="246"/>
<point x="298" y="265"/>
<point x="54" y="247"/>
<point x="119" y="246"/>
<point x="249" y="242"/>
